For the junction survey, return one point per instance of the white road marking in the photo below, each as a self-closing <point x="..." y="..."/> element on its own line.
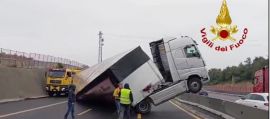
<point x="194" y="116"/>
<point x="33" y="109"/>
<point x="84" y="112"/>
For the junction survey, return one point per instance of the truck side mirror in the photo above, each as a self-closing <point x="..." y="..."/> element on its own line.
<point x="196" y="54"/>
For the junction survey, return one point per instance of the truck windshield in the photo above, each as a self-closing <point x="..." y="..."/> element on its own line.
<point x="191" y="51"/>
<point x="57" y="74"/>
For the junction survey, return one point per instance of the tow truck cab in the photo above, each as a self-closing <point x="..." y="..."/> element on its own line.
<point x="58" y="81"/>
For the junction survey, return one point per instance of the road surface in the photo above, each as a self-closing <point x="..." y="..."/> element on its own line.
<point x="224" y="96"/>
<point x="55" y="108"/>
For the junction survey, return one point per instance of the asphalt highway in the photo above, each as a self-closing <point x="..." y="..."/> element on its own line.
<point x="224" y="96"/>
<point x="55" y="108"/>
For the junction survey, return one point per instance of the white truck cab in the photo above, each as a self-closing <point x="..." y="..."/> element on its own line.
<point x="181" y="66"/>
<point x="179" y="59"/>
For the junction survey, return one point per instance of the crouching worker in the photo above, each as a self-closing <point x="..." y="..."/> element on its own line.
<point x="126" y="100"/>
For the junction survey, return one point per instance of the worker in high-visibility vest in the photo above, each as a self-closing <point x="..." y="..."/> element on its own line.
<point x="126" y="100"/>
<point x="116" y="93"/>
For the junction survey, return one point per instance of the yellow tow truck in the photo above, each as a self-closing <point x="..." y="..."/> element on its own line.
<point x="58" y="81"/>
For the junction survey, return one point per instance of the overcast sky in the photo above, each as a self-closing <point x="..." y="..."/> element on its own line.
<point x="69" y="28"/>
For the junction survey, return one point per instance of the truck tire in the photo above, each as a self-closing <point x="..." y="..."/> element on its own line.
<point x="51" y="94"/>
<point x="143" y="107"/>
<point x="194" y="85"/>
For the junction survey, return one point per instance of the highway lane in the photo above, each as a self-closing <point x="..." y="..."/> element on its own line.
<point x="55" y="108"/>
<point x="224" y="96"/>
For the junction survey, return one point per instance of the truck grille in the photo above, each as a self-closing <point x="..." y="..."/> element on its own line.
<point x="55" y="81"/>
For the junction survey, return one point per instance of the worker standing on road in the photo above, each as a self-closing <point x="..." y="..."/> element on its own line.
<point x="116" y="93"/>
<point x="126" y="100"/>
<point x="71" y="101"/>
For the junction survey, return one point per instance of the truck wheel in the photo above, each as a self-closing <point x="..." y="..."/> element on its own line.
<point x="194" y="85"/>
<point x="50" y="94"/>
<point x="143" y="107"/>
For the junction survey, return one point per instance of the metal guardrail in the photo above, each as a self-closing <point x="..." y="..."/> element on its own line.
<point x="13" y="58"/>
<point x="223" y="108"/>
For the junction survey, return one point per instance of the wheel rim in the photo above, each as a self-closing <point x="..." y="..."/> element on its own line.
<point x="194" y="86"/>
<point x="143" y="107"/>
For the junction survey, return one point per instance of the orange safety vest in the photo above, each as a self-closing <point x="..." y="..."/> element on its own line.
<point x="116" y="93"/>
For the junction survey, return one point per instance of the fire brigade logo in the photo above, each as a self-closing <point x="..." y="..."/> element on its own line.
<point x="224" y="31"/>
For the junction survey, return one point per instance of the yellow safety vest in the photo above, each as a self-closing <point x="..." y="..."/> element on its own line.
<point x="124" y="97"/>
<point x="116" y="93"/>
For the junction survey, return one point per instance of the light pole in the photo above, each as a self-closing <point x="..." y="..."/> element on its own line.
<point x="101" y="40"/>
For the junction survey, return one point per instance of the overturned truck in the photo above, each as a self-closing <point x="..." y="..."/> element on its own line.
<point x="177" y="67"/>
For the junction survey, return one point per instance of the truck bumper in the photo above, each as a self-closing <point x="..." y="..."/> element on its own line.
<point x="57" y="89"/>
<point x="169" y="92"/>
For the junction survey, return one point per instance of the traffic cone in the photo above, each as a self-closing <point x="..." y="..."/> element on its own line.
<point x="139" y="116"/>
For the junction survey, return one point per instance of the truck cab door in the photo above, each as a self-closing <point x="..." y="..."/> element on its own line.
<point x="183" y="59"/>
<point x="193" y="57"/>
<point x="69" y="78"/>
<point x="179" y="61"/>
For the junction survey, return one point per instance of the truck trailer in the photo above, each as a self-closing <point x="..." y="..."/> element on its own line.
<point x="261" y="81"/>
<point x="177" y="67"/>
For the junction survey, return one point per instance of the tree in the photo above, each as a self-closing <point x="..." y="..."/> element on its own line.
<point x="215" y="76"/>
<point x="244" y="71"/>
<point x="248" y="62"/>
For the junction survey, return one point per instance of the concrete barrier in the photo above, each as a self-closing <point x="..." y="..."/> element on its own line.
<point x="20" y="83"/>
<point x="224" y="108"/>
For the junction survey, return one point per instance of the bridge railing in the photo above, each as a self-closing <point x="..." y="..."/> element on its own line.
<point x="12" y="58"/>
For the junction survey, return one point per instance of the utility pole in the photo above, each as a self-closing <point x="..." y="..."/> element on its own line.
<point x="101" y="40"/>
